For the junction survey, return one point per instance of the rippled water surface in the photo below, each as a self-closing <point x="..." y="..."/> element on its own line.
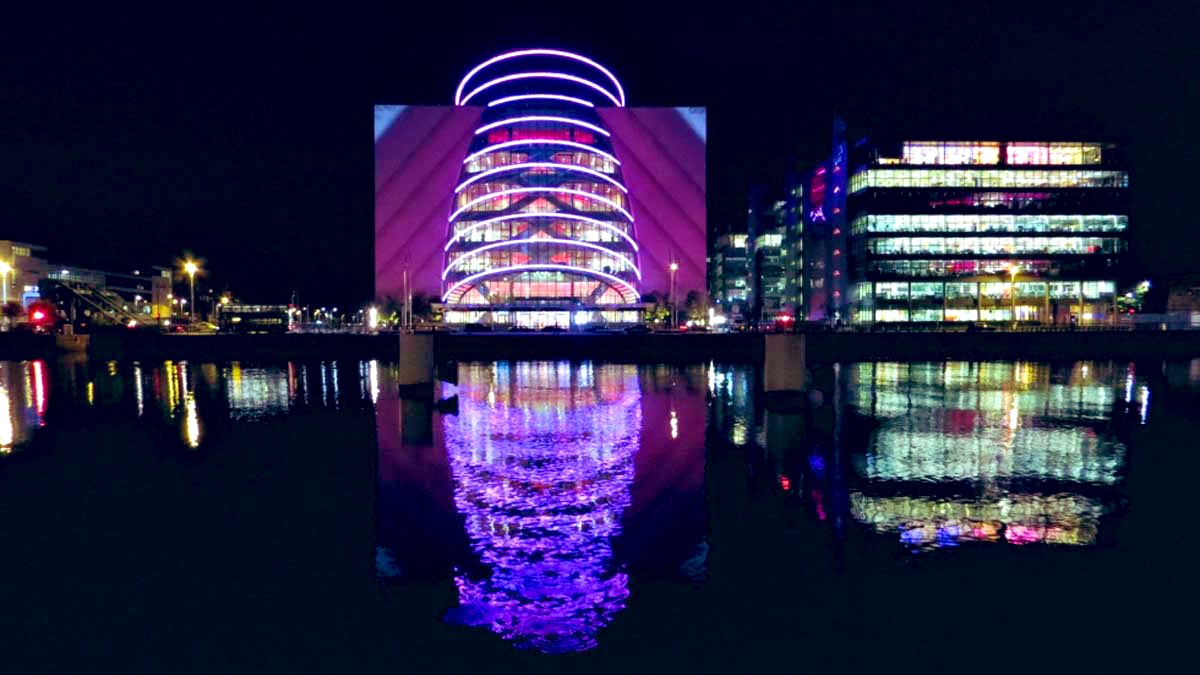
<point x="305" y="514"/>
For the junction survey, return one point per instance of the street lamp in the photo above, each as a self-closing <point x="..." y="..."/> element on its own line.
<point x="671" y="297"/>
<point x="191" y="268"/>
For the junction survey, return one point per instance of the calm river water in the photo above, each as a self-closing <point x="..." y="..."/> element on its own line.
<point x="549" y="516"/>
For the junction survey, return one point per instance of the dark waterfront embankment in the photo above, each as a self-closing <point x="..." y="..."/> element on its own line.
<point x="658" y="348"/>
<point x="20" y="346"/>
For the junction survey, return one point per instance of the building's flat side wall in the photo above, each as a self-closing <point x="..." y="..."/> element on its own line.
<point x="663" y="163"/>
<point x="417" y="161"/>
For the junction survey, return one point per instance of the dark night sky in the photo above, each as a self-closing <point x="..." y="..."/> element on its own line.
<point x="247" y="138"/>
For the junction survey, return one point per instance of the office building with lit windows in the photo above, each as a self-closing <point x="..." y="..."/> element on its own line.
<point x="766" y="259"/>
<point x="792" y="248"/>
<point x="540" y="198"/>
<point x="966" y="231"/>
<point x="730" y="274"/>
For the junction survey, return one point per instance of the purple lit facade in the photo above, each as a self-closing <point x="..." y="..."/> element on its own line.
<point x="539" y="199"/>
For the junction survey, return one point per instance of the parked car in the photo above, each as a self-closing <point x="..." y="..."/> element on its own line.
<point x="553" y="329"/>
<point x="638" y="329"/>
<point x="477" y="328"/>
<point x="598" y="328"/>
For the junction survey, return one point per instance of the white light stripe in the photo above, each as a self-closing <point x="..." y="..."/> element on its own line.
<point x="516" y="191"/>
<point x="536" y="165"/>
<point x="537" y="52"/>
<point x="532" y="268"/>
<point x="522" y="216"/>
<point x="531" y="241"/>
<point x="553" y="97"/>
<point x="541" y="118"/>
<point x="540" y="75"/>
<point x="541" y="141"/>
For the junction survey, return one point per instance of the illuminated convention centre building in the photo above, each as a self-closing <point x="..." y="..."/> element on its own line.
<point x="563" y="207"/>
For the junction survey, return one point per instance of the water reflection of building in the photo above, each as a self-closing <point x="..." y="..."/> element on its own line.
<point x="542" y="491"/>
<point x="664" y="531"/>
<point x="23" y="388"/>
<point x="543" y="462"/>
<point x="255" y="391"/>
<point x="960" y="452"/>
<point x="733" y="392"/>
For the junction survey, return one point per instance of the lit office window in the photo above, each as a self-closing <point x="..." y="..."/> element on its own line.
<point x="1053" y="153"/>
<point x="987" y="178"/>
<point x="1032" y="223"/>
<point x="951" y="152"/>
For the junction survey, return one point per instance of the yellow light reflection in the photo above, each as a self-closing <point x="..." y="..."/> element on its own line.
<point x="172" y="389"/>
<point x="6" y="422"/>
<point x="137" y="386"/>
<point x="91" y="393"/>
<point x="39" y="390"/>
<point x="192" y="423"/>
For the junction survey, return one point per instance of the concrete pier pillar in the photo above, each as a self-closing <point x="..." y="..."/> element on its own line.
<point x="417" y="365"/>
<point x="784" y="371"/>
<point x="783" y="363"/>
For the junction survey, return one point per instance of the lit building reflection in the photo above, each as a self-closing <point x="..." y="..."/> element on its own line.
<point x="253" y="392"/>
<point x="23" y="393"/>
<point x="988" y="452"/>
<point x="732" y="389"/>
<point x="542" y="456"/>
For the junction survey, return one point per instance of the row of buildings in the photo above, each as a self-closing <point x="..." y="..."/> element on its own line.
<point x="27" y="276"/>
<point x="889" y="229"/>
<point x="541" y="199"/>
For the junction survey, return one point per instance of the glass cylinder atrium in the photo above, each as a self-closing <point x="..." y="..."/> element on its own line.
<point x="542" y="231"/>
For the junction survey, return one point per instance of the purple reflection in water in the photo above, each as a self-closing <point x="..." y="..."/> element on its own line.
<point x="542" y="460"/>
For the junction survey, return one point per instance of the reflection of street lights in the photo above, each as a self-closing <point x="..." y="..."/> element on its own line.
<point x="674" y="268"/>
<point x="5" y="269"/>
<point x="1012" y="293"/>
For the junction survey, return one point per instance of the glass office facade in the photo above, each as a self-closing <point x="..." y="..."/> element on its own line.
<point x="542" y="231"/>
<point x="731" y="275"/>
<point x="987" y="231"/>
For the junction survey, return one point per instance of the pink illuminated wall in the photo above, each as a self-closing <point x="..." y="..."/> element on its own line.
<point x="418" y="158"/>
<point x="662" y="159"/>
<point x="417" y="161"/>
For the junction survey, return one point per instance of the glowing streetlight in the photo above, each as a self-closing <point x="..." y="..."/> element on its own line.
<point x="191" y="268"/>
